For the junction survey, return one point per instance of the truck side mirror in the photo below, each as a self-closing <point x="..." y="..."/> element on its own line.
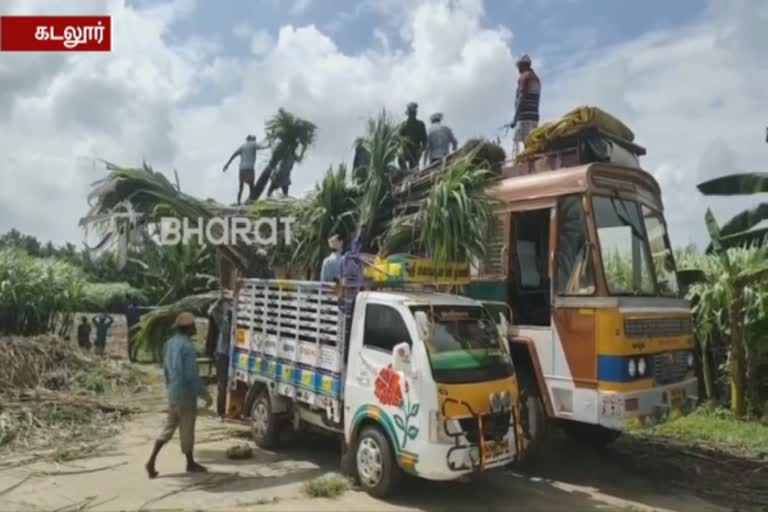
<point x="422" y="323"/>
<point x="401" y="358"/>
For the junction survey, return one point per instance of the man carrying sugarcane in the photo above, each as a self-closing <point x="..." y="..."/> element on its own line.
<point x="184" y="387"/>
<point x="247" y="154"/>
<point x="413" y="133"/>
<point x="102" y="322"/>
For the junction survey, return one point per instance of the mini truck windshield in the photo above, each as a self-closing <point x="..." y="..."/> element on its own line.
<point x="463" y="344"/>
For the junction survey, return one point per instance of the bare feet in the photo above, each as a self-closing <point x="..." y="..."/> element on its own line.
<point x="196" y="468"/>
<point x="151" y="471"/>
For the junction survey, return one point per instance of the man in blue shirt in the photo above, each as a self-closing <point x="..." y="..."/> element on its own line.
<point x="247" y="154"/>
<point x="102" y="322"/>
<point x="184" y="387"/>
<point x="330" y="269"/>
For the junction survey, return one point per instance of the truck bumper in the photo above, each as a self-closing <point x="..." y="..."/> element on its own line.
<point x="622" y="410"/>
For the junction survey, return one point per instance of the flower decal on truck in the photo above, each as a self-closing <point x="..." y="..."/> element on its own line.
<point x="387" y="387"/>
<point x="389" y="391"/>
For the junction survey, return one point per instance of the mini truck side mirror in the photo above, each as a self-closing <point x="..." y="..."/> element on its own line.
<point x="401" y="358"/>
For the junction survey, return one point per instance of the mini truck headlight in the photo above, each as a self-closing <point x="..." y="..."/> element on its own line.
<point x="506" y="400"/>
<point x="632" y="368"/>
<point x="641" y="366"/>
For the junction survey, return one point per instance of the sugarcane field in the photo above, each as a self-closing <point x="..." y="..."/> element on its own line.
<point x="383" y="256"/>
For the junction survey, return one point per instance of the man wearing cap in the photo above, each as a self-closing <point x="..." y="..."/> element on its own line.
<point x="526" y="101"/>
<point x="414" y="136"/>
<point x="247" y="154"/>
<point x="330" y="269"/>
<point x="184" y="387"/>
<point x="440" y="140"/>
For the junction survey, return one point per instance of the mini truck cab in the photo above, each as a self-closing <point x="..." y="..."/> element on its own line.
<point x="413" y="381"/>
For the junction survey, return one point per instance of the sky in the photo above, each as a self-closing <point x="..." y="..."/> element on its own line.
<point x="187" y="80"/>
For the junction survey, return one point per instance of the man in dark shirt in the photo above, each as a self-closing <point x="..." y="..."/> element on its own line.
<point x="527" y="100"/>
<point x="84" y="334"/>
<point x="414" y="135"/>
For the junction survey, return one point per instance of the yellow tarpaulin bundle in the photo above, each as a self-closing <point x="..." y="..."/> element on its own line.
<point x="572" y="123"/>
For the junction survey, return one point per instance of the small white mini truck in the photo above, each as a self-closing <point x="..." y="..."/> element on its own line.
<point x="412" y="381"/>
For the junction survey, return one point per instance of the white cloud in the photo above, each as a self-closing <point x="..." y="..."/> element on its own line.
<point x="261" y="42"/>
<point x="694" y="97"/>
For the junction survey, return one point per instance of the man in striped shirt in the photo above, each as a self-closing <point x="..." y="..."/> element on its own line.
<point x="526" y="101"/>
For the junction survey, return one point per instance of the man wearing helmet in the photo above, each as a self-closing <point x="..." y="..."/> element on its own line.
<point x="526" y="101"/>
<point x="440" y="140"/>
<point x="414" y="135"/>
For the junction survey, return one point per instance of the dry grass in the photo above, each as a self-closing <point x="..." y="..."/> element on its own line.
<point x="331" y="486"/>
<point x="53" y="395"/>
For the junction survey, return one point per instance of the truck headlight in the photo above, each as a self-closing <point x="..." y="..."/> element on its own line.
<point x="506" y="400"/>
<point x="641" y="366"/>
<point x="690" y="360"/>
<point x="438" y="426"/>
<point x="632" y="368"/>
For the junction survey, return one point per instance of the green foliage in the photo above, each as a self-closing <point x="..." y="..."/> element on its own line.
<point x="37" y="295"/>
<point x="383" y="143"/>
<point x="330" y="209"/>
<point x="156" y="327"/>
<point x="455" y="221"/>
<point x="742" y="228"/>
<point x="40" y="295"/>
<point x="290" y="132"/>
<point x="331" y="486"/>
<point x="719" y="429"/>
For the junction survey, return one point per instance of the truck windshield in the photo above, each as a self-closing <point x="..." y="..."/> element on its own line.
<point x="661" y="252"/>
<point x="463" y="345"/>
<point x="623" y="246"/>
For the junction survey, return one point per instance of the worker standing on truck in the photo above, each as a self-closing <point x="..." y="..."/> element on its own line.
<point x="414" y="137"/>
<point x="440" y="140"/>
<point x="527" y="101"/>
<point x="247" y="154"/>
<point x="331" y="263"/>
<point x="184" y="387"/>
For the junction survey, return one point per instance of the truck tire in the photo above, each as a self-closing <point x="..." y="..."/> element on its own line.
<point x="594" y="436"/>
<point x="375" y="466"/>
<point x="535" y="424"/>
<point x="264" y="423"/>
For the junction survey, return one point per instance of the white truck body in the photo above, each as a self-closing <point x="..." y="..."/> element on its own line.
<point x="435" y="383"/>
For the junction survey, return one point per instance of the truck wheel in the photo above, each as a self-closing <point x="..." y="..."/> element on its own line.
<point x="535" y="424"/>
<point x="595" y="436"/>
<point x="264" y="424"/>
<point x="375" y="465"/>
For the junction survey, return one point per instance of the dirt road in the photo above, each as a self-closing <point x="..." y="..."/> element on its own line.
<point x="577" y="481"/>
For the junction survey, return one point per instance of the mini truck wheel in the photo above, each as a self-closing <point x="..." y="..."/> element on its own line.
<point x="375" y="465"/>
<point x="264" y="422"/>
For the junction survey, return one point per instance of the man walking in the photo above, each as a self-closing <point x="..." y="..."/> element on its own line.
<point x="247" y="154"/>
<point x="440" y="140"/>
<point x="414" y="136"/>
<point x="84" y="334"/>
<point x="184" y="387"/>
<point x="102" y="322"/>
<point x="527" y="100"/>
<point x="331" y="263"/>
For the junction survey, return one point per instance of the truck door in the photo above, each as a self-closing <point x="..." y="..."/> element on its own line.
<point x="377" y="328"/>
<point x="529" y="284"/>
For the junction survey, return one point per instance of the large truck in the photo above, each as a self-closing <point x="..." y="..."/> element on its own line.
<point x="411" y="380"/>
<point x="581" y="264"/>
<point x="601" y="336"/>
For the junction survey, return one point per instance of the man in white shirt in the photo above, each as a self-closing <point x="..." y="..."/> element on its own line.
<point x="440" y="140"/>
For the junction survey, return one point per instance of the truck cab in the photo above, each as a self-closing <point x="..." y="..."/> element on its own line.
<point x="601" y="337"/>
<point x="412" y="381"/>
